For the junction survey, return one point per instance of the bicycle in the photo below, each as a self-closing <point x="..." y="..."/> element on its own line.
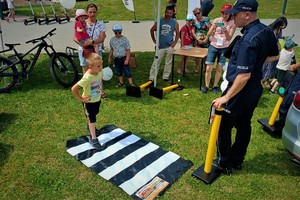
<point x="16" y="67"/>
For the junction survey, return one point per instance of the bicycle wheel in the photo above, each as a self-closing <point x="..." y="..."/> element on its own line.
<point x="63" y="69"/>
<point x="8" y="76"/>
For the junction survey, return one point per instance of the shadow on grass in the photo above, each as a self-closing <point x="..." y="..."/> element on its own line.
<point x="5" y="150"/>
<point x="6" y="119"/>
<point x="272" y="164"/>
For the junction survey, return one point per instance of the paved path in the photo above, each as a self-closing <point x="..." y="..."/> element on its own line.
<point x="137" y="33"/>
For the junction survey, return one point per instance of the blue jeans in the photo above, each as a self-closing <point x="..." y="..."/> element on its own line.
<point x="82" y="60"/>
<point x="120" y="67"/>
<point x="214" y="53"/>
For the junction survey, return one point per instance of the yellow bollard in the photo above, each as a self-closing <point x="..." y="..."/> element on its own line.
<point x="145" y="85"/>
<point x="158" y="93"/>
<point x="275" y="111"/>
<point x="171" y="87"/>
<point x="136" y="91"/>
<point x="212" y="142"/>
<point x="209" y="172"/>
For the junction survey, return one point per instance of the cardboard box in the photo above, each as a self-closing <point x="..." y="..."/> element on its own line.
<point x="133" y="60"/>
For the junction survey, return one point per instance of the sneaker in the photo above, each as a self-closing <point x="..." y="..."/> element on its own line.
<point x="215" y="90"/>
<point x="120" y="85"/>
<point x="132" y="85"/>
<point x="205" y="90"/>
<point x="166" y="80"/>
<point x="95" y="143"/>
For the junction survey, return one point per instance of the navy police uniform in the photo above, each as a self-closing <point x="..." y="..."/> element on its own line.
<point x="248" y="55"/>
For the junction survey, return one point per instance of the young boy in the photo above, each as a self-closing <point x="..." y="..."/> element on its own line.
<point x="91" y="83"/>
<point x="284" y="62"/>
<point x="80" y="29"/>
<point x="120" y="51"/>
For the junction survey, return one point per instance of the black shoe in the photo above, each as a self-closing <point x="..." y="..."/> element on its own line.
<point x="224" y="170"/>
<point x="166" y="80"/>
<point x="95" y="143"/>
<point x="237" y="166"/>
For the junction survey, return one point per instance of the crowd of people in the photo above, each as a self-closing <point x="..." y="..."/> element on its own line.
<point x="252" y="63"/>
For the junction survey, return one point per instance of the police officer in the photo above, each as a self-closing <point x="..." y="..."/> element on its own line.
<point x="244" y="74"/>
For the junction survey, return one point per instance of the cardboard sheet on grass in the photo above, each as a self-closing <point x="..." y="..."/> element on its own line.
<point x="142" y="169"/>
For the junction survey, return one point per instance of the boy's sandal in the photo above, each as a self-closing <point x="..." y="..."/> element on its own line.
<point x="179" y="71"/>
<point x="197" y="71"/>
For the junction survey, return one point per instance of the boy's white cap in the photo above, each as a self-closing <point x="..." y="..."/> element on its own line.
<point x="117" y="27"/>
<point x="190" y="17"/>
<point x="80" y="12"/>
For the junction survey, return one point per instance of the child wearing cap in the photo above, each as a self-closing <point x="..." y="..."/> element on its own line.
<point x="120" y="52"/>
<point x="80" y="29"/>
<point x="284" y="63"/>
<point x="187" y="39"/>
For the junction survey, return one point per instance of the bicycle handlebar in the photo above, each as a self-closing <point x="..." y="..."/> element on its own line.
<point x="50" y="33"/>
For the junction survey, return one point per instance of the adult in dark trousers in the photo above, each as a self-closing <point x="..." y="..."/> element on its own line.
<point x="166" y="43"/>
<point x="244" y="88"/>
<point x="206" y="7"/>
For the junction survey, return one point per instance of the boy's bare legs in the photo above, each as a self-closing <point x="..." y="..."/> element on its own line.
<point x="92" y="127"/>
<point x="130" y="81"/>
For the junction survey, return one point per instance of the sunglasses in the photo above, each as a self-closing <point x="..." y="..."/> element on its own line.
<point x="198" y="13"/>
<point x="118" y="32"/>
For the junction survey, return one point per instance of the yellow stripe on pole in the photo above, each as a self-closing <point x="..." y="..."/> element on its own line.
<point x="143" y="86"/>
<point x="171" y="87"/>
<point x="212" y="142"/>
<point x="275" y="111"/>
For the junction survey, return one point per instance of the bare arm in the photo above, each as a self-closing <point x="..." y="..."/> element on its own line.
<point x="75" y="90"/>
<point x="127" y="57"/>
<point x="110" y="55"/>
<point x="271" y="59"/>
<point x="101" y="38"/>
<point x="238" y="84"/>
<point x="229" y="34"/>
<point x="210" y="31"/>
<point x="177" y="35"/>
<point x="152" y="30"/>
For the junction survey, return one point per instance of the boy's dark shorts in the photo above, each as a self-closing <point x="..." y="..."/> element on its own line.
<point x="91" y="110"/>
<point x="120" y="67"/>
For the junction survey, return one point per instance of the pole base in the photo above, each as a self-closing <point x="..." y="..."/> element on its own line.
<point x="133" y="91"/>
<point x="207" y="178"/>
<point x="270" y="129"/>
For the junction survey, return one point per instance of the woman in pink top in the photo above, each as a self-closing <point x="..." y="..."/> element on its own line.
<point x="220" y="34"/>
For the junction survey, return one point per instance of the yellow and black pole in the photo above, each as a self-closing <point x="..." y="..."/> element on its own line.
<point x="159" y="93"/>
<point x="268" y="124"/>
<point x="209" y="172"/>
<point x="136" y="91"/>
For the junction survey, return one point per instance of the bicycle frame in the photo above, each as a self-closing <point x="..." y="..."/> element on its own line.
<point x="40" y="46"/>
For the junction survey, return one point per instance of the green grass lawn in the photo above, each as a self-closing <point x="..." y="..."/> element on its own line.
<point x="115" y="10"/>
<point x="38" y="117"/>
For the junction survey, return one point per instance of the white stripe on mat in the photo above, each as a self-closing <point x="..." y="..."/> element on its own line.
<point x="87" y="146"/>
<point x="127" y="161"/>
<point x="110" y="150"/>
<point x="145" y="175"/>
